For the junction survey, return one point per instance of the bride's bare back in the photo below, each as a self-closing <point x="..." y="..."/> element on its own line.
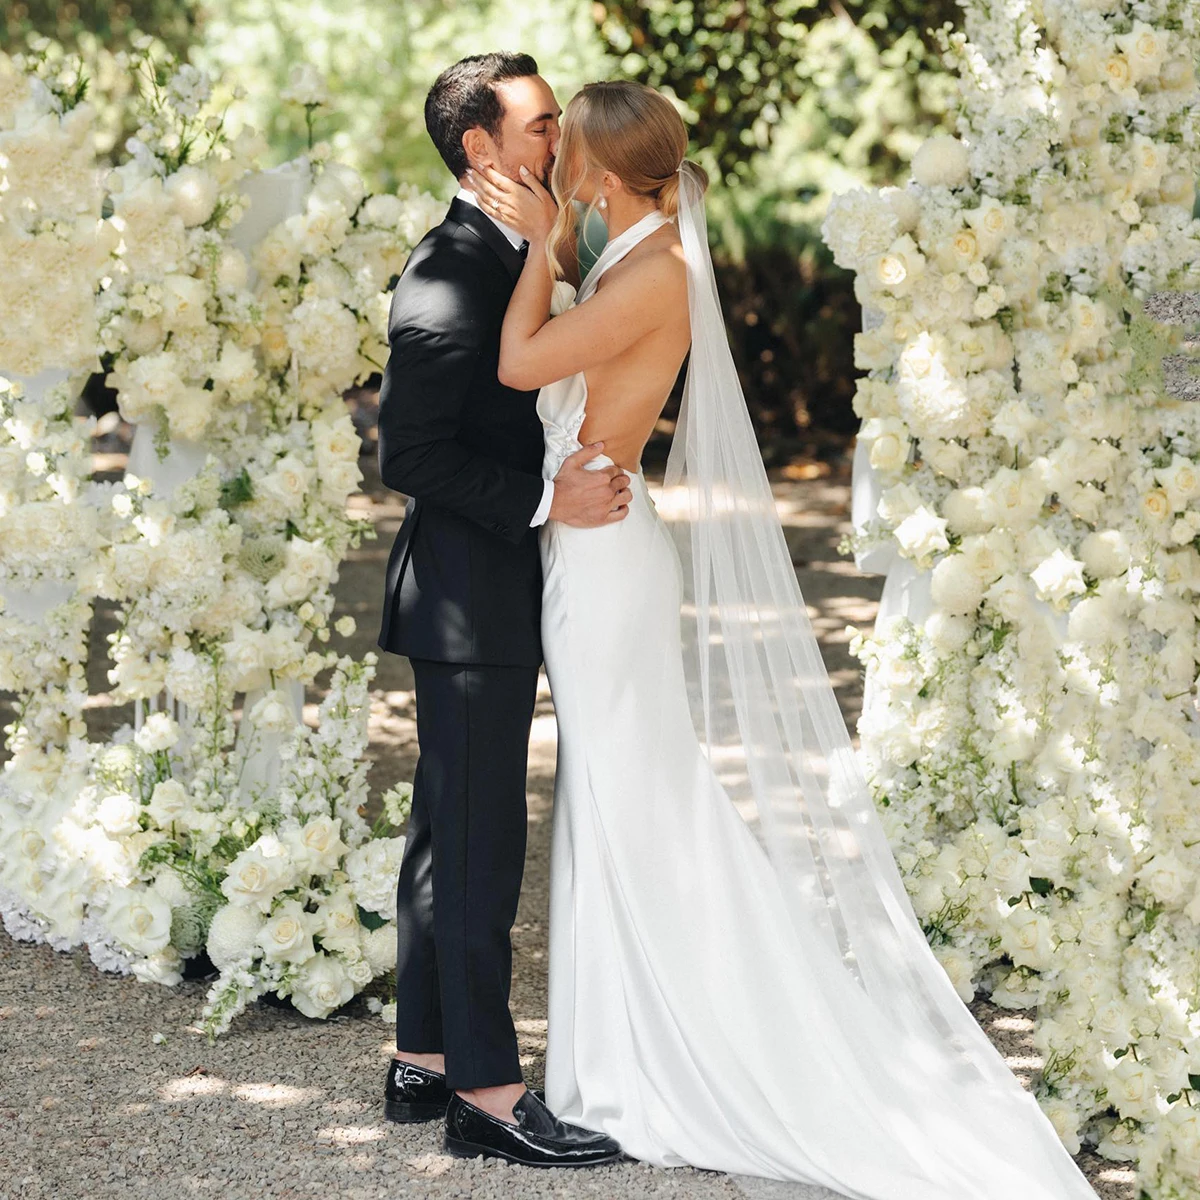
<point x="626" y="393"/>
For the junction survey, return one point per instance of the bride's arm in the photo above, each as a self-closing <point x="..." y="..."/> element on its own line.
<point x="535" y="349"/>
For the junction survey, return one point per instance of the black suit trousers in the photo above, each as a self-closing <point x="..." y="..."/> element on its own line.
<point x="460" y="877"/>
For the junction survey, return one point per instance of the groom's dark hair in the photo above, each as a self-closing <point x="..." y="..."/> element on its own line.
<point x="463" y="97"/>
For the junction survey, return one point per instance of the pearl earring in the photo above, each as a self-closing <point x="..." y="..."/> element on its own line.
<point x="603" y="202"/>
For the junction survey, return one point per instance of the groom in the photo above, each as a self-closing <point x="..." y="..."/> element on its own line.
<point x="463" y="602"/>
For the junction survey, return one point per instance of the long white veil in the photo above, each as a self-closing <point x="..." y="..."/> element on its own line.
<point x="766" y="713"/>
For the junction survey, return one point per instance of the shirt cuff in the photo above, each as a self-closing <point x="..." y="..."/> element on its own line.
<point x="543" y="509"/>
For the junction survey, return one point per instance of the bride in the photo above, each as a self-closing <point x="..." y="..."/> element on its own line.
<point x="768" y="1011"/>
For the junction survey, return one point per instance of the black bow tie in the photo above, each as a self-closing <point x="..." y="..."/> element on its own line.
<point x="523" y="249"/>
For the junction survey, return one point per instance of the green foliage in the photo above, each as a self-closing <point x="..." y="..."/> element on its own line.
<point x="742" y="66"/>
<point x="112" y="25"/>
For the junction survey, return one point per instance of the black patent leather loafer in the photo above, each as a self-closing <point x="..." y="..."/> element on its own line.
<point x="539" y="1139"/>
<point x="412" y="1093"/>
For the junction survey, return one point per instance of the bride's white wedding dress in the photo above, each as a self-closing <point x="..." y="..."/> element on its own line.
<point x="691" y="1015"/>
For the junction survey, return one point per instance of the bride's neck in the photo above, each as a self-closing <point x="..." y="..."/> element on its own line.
<point x="624" y="212"/>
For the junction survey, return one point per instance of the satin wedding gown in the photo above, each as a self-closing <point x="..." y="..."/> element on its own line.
<point x="689" y="1016"/>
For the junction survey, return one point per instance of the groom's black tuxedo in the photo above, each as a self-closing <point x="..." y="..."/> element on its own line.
<point x="463" y="601"/>
<point x="464" y="580"/>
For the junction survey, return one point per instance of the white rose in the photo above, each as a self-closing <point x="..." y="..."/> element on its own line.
<point x="315" y="847"/>
<point x="1180" y="480"/>
<point x="273" y="713"/>
<point x="1065" y="1120"/>
<point x="1028" y="936"/>
<point x="287" y="935"/>
<point x="159" y="731"/>
<point x="139" y="919"/>
<point x="118" y="814"/>
<point x="1166" y="878"/>
<point x="321" y="985"/>
<point x="168" y="801"/>
<point x="889" y="443"/>
<point x="338" y="923"/>
<point x="1059" y="577"/>
<point x="922" y="533"/>
<point x="257" y="874"/>
<point x="1131" y="1087"/>
<point x="957" y="965"/>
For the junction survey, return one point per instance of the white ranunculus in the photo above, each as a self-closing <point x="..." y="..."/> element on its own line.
<point x="321" y="985"/>
<point x="194" y="192"/>
<point x="139" y="919"/>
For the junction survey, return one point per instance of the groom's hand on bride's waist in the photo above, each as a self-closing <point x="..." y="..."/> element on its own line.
<point x="587" y="498"/>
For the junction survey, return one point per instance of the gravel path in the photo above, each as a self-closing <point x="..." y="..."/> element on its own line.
<point x="287" y="1107"/>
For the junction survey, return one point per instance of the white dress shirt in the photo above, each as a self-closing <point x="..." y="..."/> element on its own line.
<point x="543" y="509"/>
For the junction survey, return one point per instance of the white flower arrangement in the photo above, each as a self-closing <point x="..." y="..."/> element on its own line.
<point x="159" y="845"/>
<point x="1033" y="735"/>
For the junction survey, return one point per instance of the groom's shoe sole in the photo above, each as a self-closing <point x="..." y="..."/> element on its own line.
<point x="409" y="1114"/>
<point x="460" y="1149"/>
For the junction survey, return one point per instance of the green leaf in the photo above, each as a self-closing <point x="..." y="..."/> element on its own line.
<point x="1043" y="887"/>
<point x="370" y="920"/>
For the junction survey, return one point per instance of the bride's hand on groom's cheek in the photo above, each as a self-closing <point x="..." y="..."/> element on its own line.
<point x="526" y="206"/>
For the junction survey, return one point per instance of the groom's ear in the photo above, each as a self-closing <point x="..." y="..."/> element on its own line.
<point x="478" y="147"/>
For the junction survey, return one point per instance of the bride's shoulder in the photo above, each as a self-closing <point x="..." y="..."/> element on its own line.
<point x="656" y="263"/>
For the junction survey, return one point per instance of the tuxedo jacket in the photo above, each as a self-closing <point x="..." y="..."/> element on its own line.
<point x="464" y="577"/>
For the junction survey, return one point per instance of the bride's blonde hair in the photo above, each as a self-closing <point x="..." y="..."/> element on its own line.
<point x="626" y="128"/>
